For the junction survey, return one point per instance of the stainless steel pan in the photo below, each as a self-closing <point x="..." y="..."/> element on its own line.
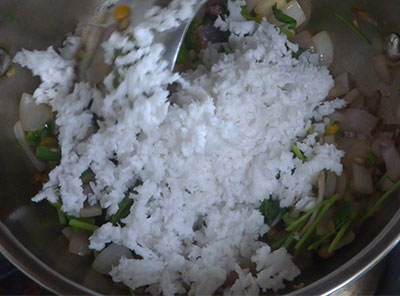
<point x="29" y="233"/>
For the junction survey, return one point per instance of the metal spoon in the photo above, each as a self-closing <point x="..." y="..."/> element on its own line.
<point x="172" y="39"/>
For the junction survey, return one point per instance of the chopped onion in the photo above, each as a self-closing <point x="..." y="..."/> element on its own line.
<point x="294" y="10"/>
<point x="361" y="179"/>
<point x="352" y="95"/>
<point x="303" y="39"/>
<point x="326" y="224"/>
<point x="342" y="86"/>
<point x="264" y="7"/>
<point x="321" y="190"/>
<point x="251" y="4"/>
<point x="341" y="184"/>
<point x="355" y="120"/>
<point x="392" y="160"/>
<point x="330" y="184"/>
<point x="90" y="211"/>
<point x="79" y="244"/>
<point x="382" y="69"/>
<point x="347" y="239"/>
<point x="306" y="5"/>
<point x="67" y="232"/>
<point x="20" y="136"/>
<point x="358" y="103"/>
<point x="110" y="257"/>
<point x="324" y="47"/>
<point x="33" y="117"/>
<point x="343" y="79"/>
<point x="387" y="184"/>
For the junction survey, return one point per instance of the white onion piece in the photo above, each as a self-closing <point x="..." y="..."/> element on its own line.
<point x="324" y="47"/>
<point x="355" y="120"/>
<point x="33" y="117"/>
<point x="110" y="257"/>
<point x="90" y="211"/>
<point x="358" y="103"/>
<point x="306" y="5"/>
<point x="361" y="179"/>
<point x="341" y="184"/>
<point x="343" y="79"/>
<point x="330" y="184"/>
<point x="392" y="161"/>
<point x="321" y="190"/>
<point x="251" y="4"/>
<point x="382" y="69"/>
<point x="303" y="39"/>
<point x="264" y="7"/>
<point x="20" y="136"/>
<point x="67" y="232"/>
<point x="294" y="10"/>
<point x="387" y="184"/>
<point x="347" y="239"/>
<point x="79" y="244"/>
<point x="326" y="224"/>
<point x="352" y="95"/>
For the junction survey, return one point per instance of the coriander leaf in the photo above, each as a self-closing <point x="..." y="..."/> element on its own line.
<point x="247" y="15"/>
<point x="10" y="17"/>
<point x="344" y="213"/>
<point x="354" y="28"/>
<point x="288" y="218"/>
<point x="34" y="138"/>
<point x="270" y="209"/>
<point x="372" y="158"/>
<point x="297" y="152"/>
<point x="297" y="54"/>
<point x="284" y="18"/>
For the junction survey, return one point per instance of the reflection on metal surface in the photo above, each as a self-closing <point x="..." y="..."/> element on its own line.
<point x="29" y="234"/>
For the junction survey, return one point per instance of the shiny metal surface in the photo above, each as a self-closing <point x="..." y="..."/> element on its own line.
<point x="29" y="233"/>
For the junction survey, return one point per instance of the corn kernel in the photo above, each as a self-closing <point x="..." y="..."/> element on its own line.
<point x="49" y="142"/>
<point x="259" y="17"/>
<point x="121" y="12"/>
<point x="333" y="129"/>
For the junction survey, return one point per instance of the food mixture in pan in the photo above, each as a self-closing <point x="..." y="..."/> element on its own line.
<point x="214" y="177"/>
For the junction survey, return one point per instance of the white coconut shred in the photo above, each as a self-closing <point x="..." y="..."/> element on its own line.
<point x="206" y="162"/>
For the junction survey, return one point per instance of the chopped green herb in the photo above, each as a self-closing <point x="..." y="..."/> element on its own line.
<point x="79" y="224"/>
<point x="280" y="242"/>
<point x="35" y="137"/>
<point x="61" y="216"/>
<point x="372" y="158"/>
<point x="227" y="49"/>
<point x="270" y="209"/>
<point x="288" y="219"/>
<point x="298" y="53"/>
<point x="344" y="213"/>
<point x="247" y="15"/>
<point x="10" y="17"/>
<point x="183" y="56"/>
<point x="339" y="236"/>
<point x="317" y="220"/>
<point x="48" y="153"/>
<point x="340" y="133"/>
<point x="380" y="182"/>
<point x="315" y="245"/>
<point x="377" y="204"/>
<point x="294" y="226"/>
<point x="311" y="130"/>
<point x="352" y="27"/>
<point x="290" y="22"/>
<point x="123" y="210"/>
<point x="297" y="152"/>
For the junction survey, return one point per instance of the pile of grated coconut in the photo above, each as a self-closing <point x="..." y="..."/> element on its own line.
<point x="206" y="162"/>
